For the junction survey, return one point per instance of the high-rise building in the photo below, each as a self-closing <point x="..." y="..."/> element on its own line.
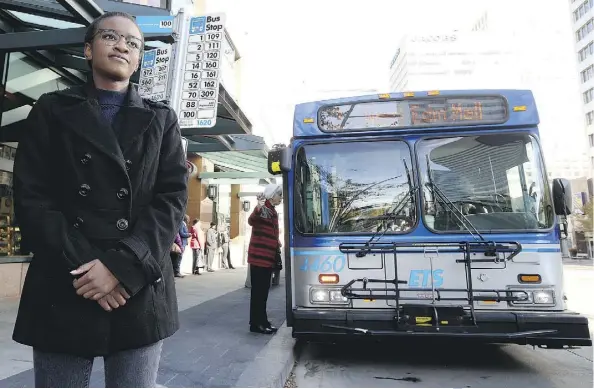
<point x="507" y="50"/>
<point x="582" y="18"/>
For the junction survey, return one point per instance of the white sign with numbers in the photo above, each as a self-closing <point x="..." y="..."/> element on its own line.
<point x="201" y="71"/>
<point x="154" y="74"/>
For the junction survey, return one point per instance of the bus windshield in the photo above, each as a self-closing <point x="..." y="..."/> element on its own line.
<point x="354" y="187"/>
<point x="496" y="181"/>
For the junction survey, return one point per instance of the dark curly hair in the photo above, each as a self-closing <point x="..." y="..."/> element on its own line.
<point x="94" y="26"/>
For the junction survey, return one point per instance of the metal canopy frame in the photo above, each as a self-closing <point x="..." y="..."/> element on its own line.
<point x="60" y="49"/>
<point x="83" y="10"/>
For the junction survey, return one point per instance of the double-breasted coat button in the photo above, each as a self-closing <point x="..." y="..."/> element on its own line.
<point x="78" y="222"/>
<point x="122" y="224"/>
<point x="84" y="190"/>
<point x="85" y="159"/>
<point x="122" y="193"/>
<point x="128" y="164"/>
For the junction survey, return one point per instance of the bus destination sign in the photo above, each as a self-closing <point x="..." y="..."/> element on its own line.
<point x="438" y="112"/>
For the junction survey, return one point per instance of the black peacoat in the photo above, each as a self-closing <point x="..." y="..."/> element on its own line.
<point x="86" y="190"/>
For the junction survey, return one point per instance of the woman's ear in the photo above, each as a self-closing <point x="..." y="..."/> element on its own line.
<point x="88" y="52"/>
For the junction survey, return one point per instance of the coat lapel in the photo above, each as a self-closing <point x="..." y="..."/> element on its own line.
<point x="83" y="117"/>
<point x="133" y="120"/>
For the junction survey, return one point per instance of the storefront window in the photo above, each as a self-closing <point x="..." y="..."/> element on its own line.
<point x="10" y="239"/>
<point x="24" y="82"/>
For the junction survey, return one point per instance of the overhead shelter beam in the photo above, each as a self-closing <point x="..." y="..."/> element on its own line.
<point x="231" y="106"/>
<point x="53" y="39"/>
<point x="132" y="9"/>
<point x="37" y="40"/>
<point x="38" y="7"/>
<point x="85" y="11"/>
<point x="72" y="62"/>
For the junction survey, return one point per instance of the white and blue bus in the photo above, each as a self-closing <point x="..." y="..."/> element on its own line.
<point x="424" y="214"/>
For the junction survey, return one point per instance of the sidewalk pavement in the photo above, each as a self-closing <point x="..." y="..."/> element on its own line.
<point x="213" y="347"/>
<point x="578" y="261"/>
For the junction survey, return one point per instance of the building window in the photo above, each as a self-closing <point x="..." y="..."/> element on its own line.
<point x="582" y="10"/>
<point x="584" y="30"/>
<point x="588" y="95"/>
<point x="590" y="118"/>
<point x="591" y="139"/>
<point x="587" y="51"/>
<point x="587" y="73"/>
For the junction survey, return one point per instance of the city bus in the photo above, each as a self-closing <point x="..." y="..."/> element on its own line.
<point x="424" y="214"/>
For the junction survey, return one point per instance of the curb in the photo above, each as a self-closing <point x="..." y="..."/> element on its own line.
<point x="272" y="365"/>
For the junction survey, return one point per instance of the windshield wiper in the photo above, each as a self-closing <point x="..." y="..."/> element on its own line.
<point x="450" y="205"/>
<point x="410" y="195"/>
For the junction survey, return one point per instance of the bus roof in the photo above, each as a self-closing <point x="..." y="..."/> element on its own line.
<point x="411" y="112"/>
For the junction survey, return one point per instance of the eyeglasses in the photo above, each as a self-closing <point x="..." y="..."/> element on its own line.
<point x="112" y="37"/>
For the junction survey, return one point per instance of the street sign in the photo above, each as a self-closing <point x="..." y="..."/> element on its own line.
<point x="155" y="24"/>
<point x="201" y="71"/>
<point x="154" y="74"/>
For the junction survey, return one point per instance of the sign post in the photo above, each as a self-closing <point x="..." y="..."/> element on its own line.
<point x="198" y="70"/>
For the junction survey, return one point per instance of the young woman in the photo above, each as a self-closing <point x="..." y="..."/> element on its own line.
<point x="100" y="192"/>
<point x="264" y="244"/>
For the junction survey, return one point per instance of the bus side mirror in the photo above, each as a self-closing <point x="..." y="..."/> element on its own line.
<point x="562" y="198"/>
<point x="279" y="159"/>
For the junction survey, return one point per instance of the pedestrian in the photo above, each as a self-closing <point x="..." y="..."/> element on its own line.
<point x="184" y="232"/>
<point x="100" y="190"/>
<point x="176" y="256"/>
<point x="184" y="235"/>
<point x="196" y="247"/>
<point x="211" y="246"/>
<point x="262" y="255"/>
<point x="225" y="249"/>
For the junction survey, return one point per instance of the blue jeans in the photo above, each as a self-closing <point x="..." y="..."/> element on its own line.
<point x="126" y="369"/>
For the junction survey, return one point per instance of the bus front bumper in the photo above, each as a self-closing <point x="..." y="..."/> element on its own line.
<point x="550" y="329"/>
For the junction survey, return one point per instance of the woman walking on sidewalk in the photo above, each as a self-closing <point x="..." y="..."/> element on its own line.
<point x="100" y="188"/>
<point x="262" y="255"/>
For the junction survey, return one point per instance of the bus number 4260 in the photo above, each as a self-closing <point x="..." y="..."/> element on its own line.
<point x="329" y="264"/>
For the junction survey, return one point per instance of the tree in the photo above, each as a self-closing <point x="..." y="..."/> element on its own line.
<point x="585" y="220"/>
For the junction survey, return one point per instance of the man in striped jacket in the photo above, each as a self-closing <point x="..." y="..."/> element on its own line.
<point x="262" y="251"/>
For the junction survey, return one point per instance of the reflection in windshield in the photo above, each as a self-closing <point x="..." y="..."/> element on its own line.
<point x="495" y="180"/>
<point x="352" y="187"/>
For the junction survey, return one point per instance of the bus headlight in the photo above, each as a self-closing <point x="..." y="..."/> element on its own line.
<point x="327" y="296"/>
<point x="534" y="297"/>
<point x="337" y="297"/>
<point x="523" y="297"/>
<point x="319" y="296"/>
<point x="544" y="297"/>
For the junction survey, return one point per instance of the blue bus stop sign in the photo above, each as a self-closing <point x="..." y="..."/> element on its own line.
<point x="155" y="24"/>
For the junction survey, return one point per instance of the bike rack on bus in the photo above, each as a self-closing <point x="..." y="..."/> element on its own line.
<point x="488" y="248"/>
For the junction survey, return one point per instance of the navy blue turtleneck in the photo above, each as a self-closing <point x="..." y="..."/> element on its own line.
<point x="110" y="103"/>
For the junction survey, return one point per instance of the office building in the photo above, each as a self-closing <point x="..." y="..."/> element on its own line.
<point x="582" y="21"/>
<point x="501" y="50"/>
